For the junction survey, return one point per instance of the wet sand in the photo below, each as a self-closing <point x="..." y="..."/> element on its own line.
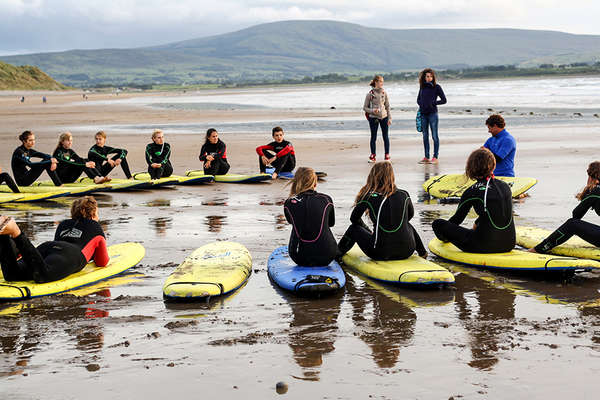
<point x="491" y="336"/>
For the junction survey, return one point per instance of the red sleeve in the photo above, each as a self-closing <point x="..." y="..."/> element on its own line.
<point x="259" y="149"/>
<point x="287" y="149"/>
<point x="96" y="250"/>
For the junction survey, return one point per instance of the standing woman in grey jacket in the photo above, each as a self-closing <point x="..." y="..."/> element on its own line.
<point x="377" y="111"/>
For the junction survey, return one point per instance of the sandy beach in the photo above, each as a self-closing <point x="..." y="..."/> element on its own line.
<point x="490" y="336"/>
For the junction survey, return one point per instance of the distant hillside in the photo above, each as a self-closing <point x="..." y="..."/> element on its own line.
<point x="291" y="49"/>
<point x="26" y="78"/>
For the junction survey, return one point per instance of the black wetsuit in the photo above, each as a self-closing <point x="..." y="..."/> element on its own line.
<point x="26" y="171"/>
<point x="100" y="155"/>
<point x="75" y="243"/>
<point x="311" y="241"/>
<point x="575" y="226"/>
<point x="495" y="228"/>
<point x="394" y="238"/>
<point x="218" y="166"/>
<point x="284" y="151"/>
<point x="70" y="165"/>
<point x="159" y="154"/>
<point x="6" y="178"/>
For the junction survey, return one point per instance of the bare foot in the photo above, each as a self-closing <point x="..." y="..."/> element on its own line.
<point x="274" y="176"/>
<point x="10" y="227"/>
<point x="532" y="250"/>
<point x="98" y="180"/>
<point x="107" y="179"/>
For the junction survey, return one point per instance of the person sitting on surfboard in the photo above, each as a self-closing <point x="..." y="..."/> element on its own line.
<point x="214" y="154"/>
<point x="6" y="178"/>
<point x="311" y="214"/>
<point x="157" y="156"/>
<point x="70" y="165"/>
<point x="101" y="155"/>
<point x="502" y="145"/>
<point x="589" y="197"/>
<point x="279" y="154"/>
<point x="390" y="210"/>
<point x="27" y="171"/>
<point x="76" y="241"/>
<point x="494" y="229"/>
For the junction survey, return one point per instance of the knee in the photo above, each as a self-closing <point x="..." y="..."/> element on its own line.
<point x="437" y="224"/>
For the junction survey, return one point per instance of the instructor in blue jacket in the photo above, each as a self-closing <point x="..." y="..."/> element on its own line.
<point x="502" y="144"/>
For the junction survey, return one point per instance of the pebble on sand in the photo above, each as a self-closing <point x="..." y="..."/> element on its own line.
<point x="281" y="387"/>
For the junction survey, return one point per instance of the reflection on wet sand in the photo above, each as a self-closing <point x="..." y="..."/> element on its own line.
<point x="31" y="225"/>
<point x="161" y="225"/>
<point x="159" y="203"/>
<point x="430" y="170"/>
<point x="280" y="222"/>
<point x="215" y="222"/>
<point x="216" y="202"/>
<point x="386" y="328"/>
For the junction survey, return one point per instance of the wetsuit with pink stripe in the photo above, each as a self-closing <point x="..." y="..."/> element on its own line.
<point x="311" y="241"/>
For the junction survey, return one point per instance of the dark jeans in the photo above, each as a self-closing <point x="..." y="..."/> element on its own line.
<point x="35" y="172"/>
<point x="217" y="167"/>
<point x="286" y="163"/>
<point x="72" y="172"/>
<point x="588" y="232"/>
<point x="427" y="121"/>
<point x="163" y="172"/>
<point x="373" y="124"/>
<point x="6" y="178"/>
<point x="106" y="168"/>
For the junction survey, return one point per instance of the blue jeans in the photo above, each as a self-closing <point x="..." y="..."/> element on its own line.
<point x="430" y="120"/>
<point x="373" y="124"/>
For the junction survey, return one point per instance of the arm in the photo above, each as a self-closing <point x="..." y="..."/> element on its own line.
<point x="286" y="150"/>
<point x="121" y="153"/>
<point x="358" y="211"/>
<point x="101" y="257"/>
<point x="441" y="95"/>
<point x="418" y="243"/>
<point x="74" y="159"/>
<point x="367" y="104"/>
<point x="222" y="150"/>
<point x="259" y="149"/>
<point x="331" y="213"/>
<point x="585" y="204"/>
<point x="203" y="153"/>
<point x="419" y="98"/>
<point x="167" y="155"/>
<point x="387" y="107"/>
<point x="148" y="156"/>
<point x="95" y="156"/>
<point x="463" y="208"/>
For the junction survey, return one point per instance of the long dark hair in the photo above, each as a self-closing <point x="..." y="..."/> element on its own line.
<point x="593" y="172"/>
<point x="25" y="135"/>
<point x="422" y="74"/>
<point x="208" y="133"/>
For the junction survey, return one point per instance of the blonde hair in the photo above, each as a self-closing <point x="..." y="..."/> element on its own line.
<point x="63" y="136"/>
<point x="375" y="79"/>
<point x="84" y="207"/>
<point x="380" y="180"/>
<point x="101" y="134"/>
<point x="593" y="172"/>
<point x="304" y="179"/>
<point x="156" y="132"/>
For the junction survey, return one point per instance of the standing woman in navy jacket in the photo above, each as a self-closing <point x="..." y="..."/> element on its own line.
<point x="429" y="92"/>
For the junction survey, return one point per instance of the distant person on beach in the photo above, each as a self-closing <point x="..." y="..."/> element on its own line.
<point x="27" y="171"/>
<point x="279" y="154"/>
<point x="377" y="111"/>
<point x="427" y="99"/>
<point x="214" y="154"/>
<point x="588" y="198"/>
<point x="76" y="242"/>
<point x="158" y="155"/>
<point x="6" y="178"/>
<point x="44" y="99"/>
<point x="312" y="215"/>
<point x="494" y="229"/>
<point x="390" y="210"/>
<point x="502" y="145"/>
<point x="22" y="99"/>
<point x="70" y="165"/>
<point x="106" y="157"/>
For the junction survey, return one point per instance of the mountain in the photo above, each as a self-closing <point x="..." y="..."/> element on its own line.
<point x="26" y="78"/>
<point x="290" y="49"/>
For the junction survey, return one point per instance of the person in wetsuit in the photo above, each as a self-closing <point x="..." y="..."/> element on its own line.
<point x="279" y="154"/>
<point x="494" y="229"/>
<point x="76" y="241"/>
<point x="106" y="157"/>
<point x="311" y="214"/>
<point x="214" y="154"/>
<point x="589" y="198"/>
<point x="390" y="210"/>
<point x="6" y="178"/>
<point x="70" y="165"/>
<point x="26" y="171"/>
<point x="157" y="156"/>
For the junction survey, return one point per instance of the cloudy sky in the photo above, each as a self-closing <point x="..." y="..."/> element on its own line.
<point x="28" y="26"/>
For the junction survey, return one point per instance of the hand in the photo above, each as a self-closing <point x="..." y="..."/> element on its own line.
<point x="272" y="159"/>
<point x="90" y="164"/>
<point x="274" y="176"/>
<point x="264" y="160"/>
<point x="474" y="226"/>
<point x="111" y="162"/>
<point x="207" y="164"/>
<point x="53" y="165"/>
<point x="389" y="122"/>
<point x="209" y="158"/>
<point x="376" y="111"/>
<point x="155" y="165"/>
<point x="118" y="161"/>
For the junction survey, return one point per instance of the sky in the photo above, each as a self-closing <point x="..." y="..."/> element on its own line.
<point x="30" y="26"/>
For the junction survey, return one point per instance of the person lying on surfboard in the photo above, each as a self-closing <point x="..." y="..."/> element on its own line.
<point x="76" y="241"/>
<point x="158" y="155"/>
<point x="214" y="154"/>
<point x="390" y="210"/>
<point x="279" y="154"/>
<point x="588" y="198"/>
<point x="312" y="215"/>
<point x="494" y="229"/>
<point x="106" y="157"/>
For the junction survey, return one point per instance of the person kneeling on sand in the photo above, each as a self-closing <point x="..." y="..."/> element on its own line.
<point x="502" y="144"/>
<point x="158" y="155"/>
<point x="278" y="154"/>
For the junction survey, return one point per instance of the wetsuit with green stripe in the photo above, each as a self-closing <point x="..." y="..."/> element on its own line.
<point x="101" y="155"/>
<point x="159" y="154"/>
<point x="494" y="228"/>
<point x="70" y="165"/>
<point x="393" y="237"/>
<point x="575" y="226"/>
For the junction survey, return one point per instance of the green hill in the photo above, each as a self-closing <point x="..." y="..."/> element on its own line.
<point x="291" y="49"/>
<point x="26" y="78"/>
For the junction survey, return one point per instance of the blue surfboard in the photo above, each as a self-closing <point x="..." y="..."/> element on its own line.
<point x="301" y="279"/>
<point x="290" y="175"/>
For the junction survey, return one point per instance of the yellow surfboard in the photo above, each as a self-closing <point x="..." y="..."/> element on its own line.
<point x="529" y="237"/>
<point x="214" y="269"/>
<point x="454" y="185"/>
<point x="515" y="260"/>
<point x="233" y="178"/>
<point x="122" y="257"/>
<point x="411" y="271"/>
<point x="173" y="179"/>
<point x="28" y="197"/>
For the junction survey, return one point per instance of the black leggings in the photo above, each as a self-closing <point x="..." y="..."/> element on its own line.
<point x="72" y="172"/>
<point x="218" y="166"/>
<point x="35" y="172"/>
<point x="164" y="171"/>
<point x="373" y="124"/>
<point x="588" y="232"/>
<point x="5" y="178"/>
<point x="468" y="240"/>
<point x="361" y="235"/>
<point x="50" y="262"/>
<point x="106" y="168"/>
<point x="285" y="163"/>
